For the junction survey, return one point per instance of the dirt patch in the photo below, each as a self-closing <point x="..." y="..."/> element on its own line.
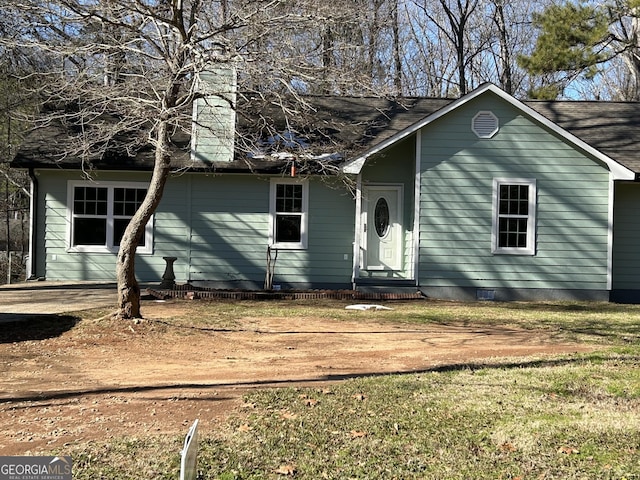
<point x="106" y="379"/>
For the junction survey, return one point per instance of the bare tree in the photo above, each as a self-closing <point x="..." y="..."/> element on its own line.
<point x="509" y="34"/>
<point x="453" y="21"/>
<point x="505" y="71"/>
<point x="426" y="57"/>
<point x="359" y="46"/>
<point x="15" y="105"/>
<point x="131" y="67"/>
<point x="625" y="41"/>
<point x="14" y="194"/>
<point x="452" y="46"/>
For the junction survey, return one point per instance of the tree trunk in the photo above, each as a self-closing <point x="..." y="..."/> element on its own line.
<point x="128" y="288"/>
<point x="506" y="76"/>
<point x="327" y="59"/>
<point x="633" y="57"/>
<point x="397" y="75"/>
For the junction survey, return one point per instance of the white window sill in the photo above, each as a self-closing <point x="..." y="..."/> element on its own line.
<point x="514" y="251"/>
<point x="105" y="250"/>
<point x="288" y="246"/>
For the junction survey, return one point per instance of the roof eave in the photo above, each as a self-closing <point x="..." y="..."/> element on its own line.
<point x="619" y="171"/>
<point x="355" y="166"/>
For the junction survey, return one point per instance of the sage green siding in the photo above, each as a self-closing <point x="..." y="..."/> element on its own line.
<point x="230" y="232"/>
<point x="626" y="244"/>
<point x="457" y="172"/>
<point x="396" y="166"/>
<point x="229" y="228"/>
<point x="218" y="228"/>
<point x="55" y="262"/>
<point x="329" y="257"/>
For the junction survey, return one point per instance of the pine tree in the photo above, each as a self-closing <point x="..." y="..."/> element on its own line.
<point x="580" y="40"/>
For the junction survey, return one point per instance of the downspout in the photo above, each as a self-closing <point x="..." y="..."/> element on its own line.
<point x="32" y="226"/>
<point x="416" y="208"/>
<point x="355" y="272"/>
<point x="610" y="227"/>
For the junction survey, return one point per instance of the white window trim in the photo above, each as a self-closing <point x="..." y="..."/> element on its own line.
<point x="110" y="186"/>
<point x="304" y="235"/>
<point x="530" y="249"/>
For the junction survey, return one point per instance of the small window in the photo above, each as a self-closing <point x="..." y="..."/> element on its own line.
<point x="288" y="211"/>
<point x="514" y="206"/>
<point x="382" y="217"/>
<point x="100" y="213"/>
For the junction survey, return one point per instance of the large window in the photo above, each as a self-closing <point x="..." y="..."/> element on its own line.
<point x="514" y="214"/>
<point x="288" y="212"/>
<point x="99" y="214"/>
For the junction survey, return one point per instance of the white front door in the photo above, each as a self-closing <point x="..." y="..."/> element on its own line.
<point x="382" y="227"/>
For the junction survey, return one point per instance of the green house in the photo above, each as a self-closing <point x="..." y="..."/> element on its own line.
<point x="482" y="197"/>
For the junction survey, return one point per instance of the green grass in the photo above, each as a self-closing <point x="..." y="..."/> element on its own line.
<point x="495" y="422"/>
<point x="566" y="417"/>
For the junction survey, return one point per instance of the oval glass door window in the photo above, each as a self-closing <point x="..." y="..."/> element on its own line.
<point x="382" y="217"/>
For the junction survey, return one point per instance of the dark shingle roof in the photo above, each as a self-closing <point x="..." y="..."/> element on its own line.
<point x="351" y="126"/>
<point x="613" y="128"/>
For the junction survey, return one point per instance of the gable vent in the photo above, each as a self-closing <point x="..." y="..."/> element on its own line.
<point x="485" y="124"/>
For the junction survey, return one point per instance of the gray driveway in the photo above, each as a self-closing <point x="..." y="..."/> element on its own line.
<point x="24" y="300"/>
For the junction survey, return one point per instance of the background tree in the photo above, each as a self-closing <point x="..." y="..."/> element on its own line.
<point x="15" y="106"/>
<point x="454" y="22"/>
<point x="14" y="193"/>
<point x="503" y="61"/>
<point x="452" y="46"/>
<point x="358" y="45"/>
<point x="131" y="67"/>
<point x="584" y="41"/>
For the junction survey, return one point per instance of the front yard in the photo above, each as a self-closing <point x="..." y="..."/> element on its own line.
<point x="435" y="390"/>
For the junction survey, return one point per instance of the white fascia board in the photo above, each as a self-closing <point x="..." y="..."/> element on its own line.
<point x="619" y="171"/>
<point x="354" y="166"/>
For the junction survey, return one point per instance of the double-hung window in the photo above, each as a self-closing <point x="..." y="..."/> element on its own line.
<point x="99" y="214"/>
<point x="514" y="216"/>
<point x="288" y="208"/>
